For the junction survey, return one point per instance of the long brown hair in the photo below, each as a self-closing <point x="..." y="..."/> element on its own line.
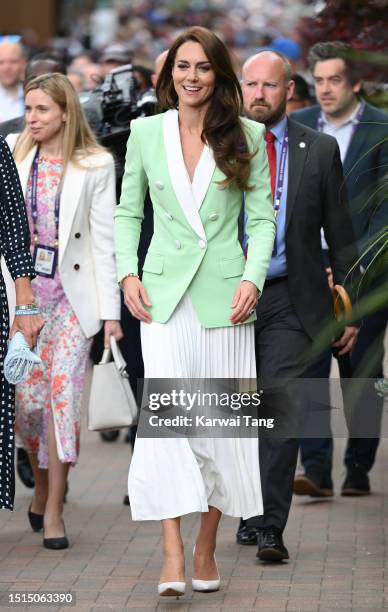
<point x="78" y="139"/>
<point x="222" y="128"/>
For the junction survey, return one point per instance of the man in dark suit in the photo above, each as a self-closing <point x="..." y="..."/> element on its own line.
<point x="362" y="134"/>
<point x="296" y="300"/>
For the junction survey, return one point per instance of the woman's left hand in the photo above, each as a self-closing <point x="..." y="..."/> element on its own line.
<point x="244" y="302"/>
<point x="29" y="326"/>
<point x="112" y="328"/>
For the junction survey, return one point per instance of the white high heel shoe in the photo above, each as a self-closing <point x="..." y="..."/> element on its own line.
<point x="171" y="589"/>
<point x="206" y="586"/>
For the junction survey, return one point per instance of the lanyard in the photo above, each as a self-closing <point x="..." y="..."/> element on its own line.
<point x="34" y="202"/>
<point x="355" y="121"/>
<point x="282" y="169"/>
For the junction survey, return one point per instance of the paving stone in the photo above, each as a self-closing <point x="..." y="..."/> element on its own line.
<point x="114" y="564"/>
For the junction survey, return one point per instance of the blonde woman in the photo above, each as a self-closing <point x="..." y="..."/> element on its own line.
<point x="69" y="185"/>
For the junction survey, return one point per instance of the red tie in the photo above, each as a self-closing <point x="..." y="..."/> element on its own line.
<point x="271" y="152"/>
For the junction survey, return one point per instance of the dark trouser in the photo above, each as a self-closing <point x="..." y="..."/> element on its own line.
<point x="318" y="452"/>
<point x="281" y="348"/>
<point x="367" y="362"/>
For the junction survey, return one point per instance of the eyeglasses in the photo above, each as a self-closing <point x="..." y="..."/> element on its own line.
<point x="12" y="38"/>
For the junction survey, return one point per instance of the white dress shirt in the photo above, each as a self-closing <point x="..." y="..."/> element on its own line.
<point x="342" y="133"/>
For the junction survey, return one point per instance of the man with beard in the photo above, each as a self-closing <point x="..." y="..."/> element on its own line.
<point x="306" y="176"/>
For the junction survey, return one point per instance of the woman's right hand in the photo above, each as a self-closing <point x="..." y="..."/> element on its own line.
<point x="29" y="326"/>
<point x="135" y="295"/>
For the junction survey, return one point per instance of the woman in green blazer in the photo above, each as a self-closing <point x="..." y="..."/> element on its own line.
<point x="198" y="294"/>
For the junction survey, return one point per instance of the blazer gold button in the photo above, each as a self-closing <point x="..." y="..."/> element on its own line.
<point x="77" y="235"/>
<point x="159" y="185"/>
<point x="213" y="217"/>
<point x="178" y="244"/>
<point x="202" y="244"/>
<point x="76" y="266"/>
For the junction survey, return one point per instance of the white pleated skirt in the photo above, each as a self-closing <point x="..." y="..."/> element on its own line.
<point x="170" y="477"/>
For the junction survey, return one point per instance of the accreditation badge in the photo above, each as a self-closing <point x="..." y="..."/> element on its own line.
<point x="45" y="260"/>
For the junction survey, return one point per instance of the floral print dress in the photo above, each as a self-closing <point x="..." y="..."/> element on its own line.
<point x="56" y="386"/>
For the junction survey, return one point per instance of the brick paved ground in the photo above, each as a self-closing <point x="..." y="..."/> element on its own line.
<point x="338" y="549"/>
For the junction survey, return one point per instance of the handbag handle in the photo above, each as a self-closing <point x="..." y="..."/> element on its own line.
<point x="118" y="358"/>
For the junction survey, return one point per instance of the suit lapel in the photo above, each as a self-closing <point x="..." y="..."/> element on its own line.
<point x="203" y="175"/>
<point x="298" y="146"/>
<point x="178" y="174"/>
<point x="357" y="143"/>
<point x="24" y="169"/>
<point x="70" y="196"/>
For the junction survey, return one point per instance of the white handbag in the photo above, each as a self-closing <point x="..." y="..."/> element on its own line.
<point x="112" y="404"/>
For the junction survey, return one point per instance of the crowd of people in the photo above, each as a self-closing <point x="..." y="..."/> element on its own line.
<point x="242" y="205"/>
<point x="147" y="28"/>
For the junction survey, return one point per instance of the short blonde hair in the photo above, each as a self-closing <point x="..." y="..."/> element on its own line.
<point x="78" y="138"/>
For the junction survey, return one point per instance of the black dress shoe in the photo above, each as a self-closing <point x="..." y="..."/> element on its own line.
<point x="56" y="543"/>
<point x="110" y="436"/>
<point x="271" y="546"/>
<point x="314" y="484"/>
<point x="247" y="536"/>
<point x="126" y="500"/>
<point x="36" y="520"/>
<point x="356" y="482"/>
<point x="24" y="469"/>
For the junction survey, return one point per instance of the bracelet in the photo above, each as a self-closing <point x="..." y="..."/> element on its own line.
<point x="26" y="307"/>
<point x="130" y="274"/>
<point x="26" y="312"/>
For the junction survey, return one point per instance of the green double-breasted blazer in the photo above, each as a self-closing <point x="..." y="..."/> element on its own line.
<point x="195" y="244"/>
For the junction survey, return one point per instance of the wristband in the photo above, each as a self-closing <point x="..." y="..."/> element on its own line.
<point x="26" y="312"/>
<point x="26" y="307"/>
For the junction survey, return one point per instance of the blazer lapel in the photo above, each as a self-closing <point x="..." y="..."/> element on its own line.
<point x="203" y="175"/>
<point x="178" y="173"/>
<point x="24" y="169"/>
<point x="298" y="146"/>
<point x="70" y="196"/>
<point x="357" y="143"/>
<point x="71" y="192"/>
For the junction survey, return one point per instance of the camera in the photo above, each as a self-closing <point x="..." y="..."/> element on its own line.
<point x="110" y="108"/>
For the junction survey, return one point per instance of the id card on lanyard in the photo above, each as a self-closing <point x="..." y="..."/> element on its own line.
<point x="282" y="169"/>
<point x="45" y="257"/>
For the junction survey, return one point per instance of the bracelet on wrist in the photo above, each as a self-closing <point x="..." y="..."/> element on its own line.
<point x="26" y="307"/>
<point x="129" y="275"/>
<point x="26" y="312"/>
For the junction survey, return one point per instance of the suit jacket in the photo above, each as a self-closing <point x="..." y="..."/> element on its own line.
<point x="195" y="243"/>
<point x="12" y="126"/>
<point x="365" y="170"/>
<point x="315" y="199"/>
<point x="85" y="254"/>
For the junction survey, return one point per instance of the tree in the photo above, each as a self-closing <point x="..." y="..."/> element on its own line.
<point x="361" y="23"/>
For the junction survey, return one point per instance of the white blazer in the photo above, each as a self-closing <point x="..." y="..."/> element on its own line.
<point x="86" y="261"/>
